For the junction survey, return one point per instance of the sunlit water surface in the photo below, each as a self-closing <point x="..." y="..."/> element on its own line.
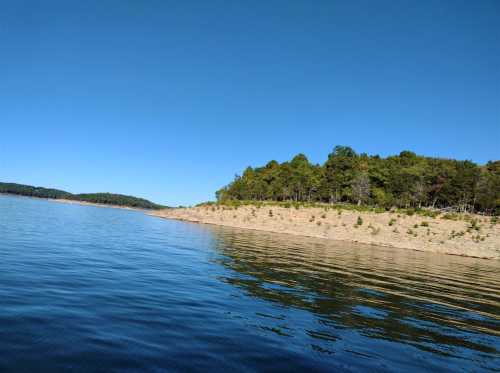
<point x="95" y="289"/>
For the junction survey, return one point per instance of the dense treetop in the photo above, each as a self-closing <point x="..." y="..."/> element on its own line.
<point x="404" y="180"/>
<point x="102" y="198"/>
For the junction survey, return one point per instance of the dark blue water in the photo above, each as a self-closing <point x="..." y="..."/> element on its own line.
<point x="94" y="289"/>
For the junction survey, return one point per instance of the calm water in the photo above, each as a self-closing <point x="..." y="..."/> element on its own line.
<point x="94" y="289"/>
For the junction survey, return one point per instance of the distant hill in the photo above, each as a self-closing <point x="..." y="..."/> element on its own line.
<point x="101" y="198"/>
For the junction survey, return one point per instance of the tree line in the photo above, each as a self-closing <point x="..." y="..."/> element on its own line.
<point x="406" y="180"/>
<point x="102" y="198"/>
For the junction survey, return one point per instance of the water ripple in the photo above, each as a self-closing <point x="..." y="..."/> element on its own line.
<point x="93" y="289"/>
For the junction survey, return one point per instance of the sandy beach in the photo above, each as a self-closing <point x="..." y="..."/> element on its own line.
<point x="469" y="235"/>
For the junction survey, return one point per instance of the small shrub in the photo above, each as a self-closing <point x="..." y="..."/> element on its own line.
<point x="270" y="213"/>
<point x="415" y="226"/>
<point x="451" y="216"/>
<point x="323" y="216"/>
<point x="429" y="213"/>
<point x="359" y="221"/>
<point x="391" y="222"/>
<point x="410" y="212"/>
<point x="474" y="225"/>
<point x="424" y="224"/>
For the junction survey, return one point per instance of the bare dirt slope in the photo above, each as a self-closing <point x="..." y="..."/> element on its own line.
<point x="470" y="235"/>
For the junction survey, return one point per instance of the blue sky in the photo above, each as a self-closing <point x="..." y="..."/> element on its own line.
<point x="168" y="100"/>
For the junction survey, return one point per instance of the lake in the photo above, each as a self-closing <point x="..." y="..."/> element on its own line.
<point x="89" y="289"/>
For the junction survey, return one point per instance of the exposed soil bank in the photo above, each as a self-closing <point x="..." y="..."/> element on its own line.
<point x="456" y="237"/>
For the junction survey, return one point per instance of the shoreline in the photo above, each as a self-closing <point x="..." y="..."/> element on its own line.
<point x="76" y="202"/>
<point x="418" y="233"/>
<point x="84" y="203"/>
<point x="387" y="229"/>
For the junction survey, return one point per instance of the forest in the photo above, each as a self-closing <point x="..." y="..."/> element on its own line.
<point x="406" y="180"/>
<point x="102" y="198"/>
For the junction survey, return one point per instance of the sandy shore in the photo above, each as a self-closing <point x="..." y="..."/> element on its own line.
<point x="439" y="235"/>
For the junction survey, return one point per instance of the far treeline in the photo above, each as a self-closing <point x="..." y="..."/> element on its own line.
<point x="405" y="181"/>
<point x="101" y="198"/>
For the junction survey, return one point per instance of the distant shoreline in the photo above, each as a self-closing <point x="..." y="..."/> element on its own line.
<point x="83" y="203"/>
<point x="95" y="199"/>
<point x="75" y="202"/>
<point x="398" y="230"/>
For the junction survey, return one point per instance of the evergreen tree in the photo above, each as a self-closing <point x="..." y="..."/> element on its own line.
<point x="404" y="180"/>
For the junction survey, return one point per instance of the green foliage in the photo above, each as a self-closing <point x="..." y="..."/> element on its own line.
<point x="424" y="224"/>
<point x="31" y="191"/>
<point x="474" y="224"/>
<point x="359" y="221"/>
<point x="410" y="212"/>
<point x="428" y="213"/>
<point x="415" y="183"/>
<point x="115" y="199"/>
<point x="101" y="198"/>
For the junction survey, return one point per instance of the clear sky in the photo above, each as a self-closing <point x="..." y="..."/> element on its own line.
<point x="167" y="100"/>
